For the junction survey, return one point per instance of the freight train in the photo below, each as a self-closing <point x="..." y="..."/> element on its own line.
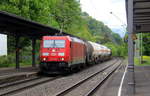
<point x="65" y="53"/>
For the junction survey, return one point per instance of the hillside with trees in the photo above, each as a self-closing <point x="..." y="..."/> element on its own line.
<point x="65" y="15"/>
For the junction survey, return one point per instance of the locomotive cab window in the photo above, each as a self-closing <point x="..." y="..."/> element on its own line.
<point x="59" y="43"/>
<point x="48" y="44"/>
<point x="54" y="44"/>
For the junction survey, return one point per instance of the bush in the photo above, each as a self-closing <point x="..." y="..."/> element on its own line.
<point x="118" y="50"/>
<point x="6" y="61"/>
<point x="3" y="61"/>
<point x="25" y="59"/>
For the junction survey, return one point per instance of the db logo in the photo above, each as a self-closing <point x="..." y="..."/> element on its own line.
<point x="53" y="54"/>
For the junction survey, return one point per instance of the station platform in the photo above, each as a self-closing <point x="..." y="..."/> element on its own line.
<point x="113" y="85"/>
<point x="142" y="81"/>
<point x="11" y="74"/>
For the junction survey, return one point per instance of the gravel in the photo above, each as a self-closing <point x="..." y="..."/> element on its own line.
<point x="52" y="88"/>
<point x="90" y="84"/>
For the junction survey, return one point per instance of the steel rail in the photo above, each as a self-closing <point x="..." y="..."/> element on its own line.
<point x="5" y="85"/>
<point x="8" y="93"/>
<point x="67" y="90"/>
<point x="93" y="90"/>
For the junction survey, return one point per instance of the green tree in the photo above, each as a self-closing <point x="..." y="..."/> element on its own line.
<point x="66" y="13"/>
<point x="146" y="44"/>
<point x="61" y="14"/>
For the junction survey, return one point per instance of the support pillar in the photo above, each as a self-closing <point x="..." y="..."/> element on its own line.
<point x="130" y="71"/>
<point x="17" y="51"/>
<point x="141" y="49"/>
<point x="33" y="52"/>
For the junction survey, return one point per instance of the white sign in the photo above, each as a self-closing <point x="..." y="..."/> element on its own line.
<point x="3" y="44"/>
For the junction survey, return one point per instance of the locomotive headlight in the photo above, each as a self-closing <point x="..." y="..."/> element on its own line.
<point x="62" y="58"/>
<point x="61" y="54"/>
<point x="44" y="59"/>
<point x="45" y="54"/>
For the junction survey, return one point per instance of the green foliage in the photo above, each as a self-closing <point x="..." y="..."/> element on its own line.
<point x="146" y="44"/>
<point x="117" y="39"/>
<point x="25" y="58"/>
<point x="66" y="13"/>
<point x="7" y="61"/>
<point x="23" y="42"/>
<point x="61" y="14"/>
<point x="101" y="32"/>
<point x="145" y="62"/>
<point x="118" y="50"/>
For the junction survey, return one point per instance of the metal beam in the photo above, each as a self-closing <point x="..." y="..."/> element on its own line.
<point x="141" y="8"/>
<point x="141" y="1"/>
<point x="143" y="14"/>
<point x="17" y="52"/>
<point x="142" y="28"/>
<point x="142" y="18"/>
<point x="140" y="15"/>
<point x="141" y="4"/>
<point x="142" y="31"/>
<point x="142" y="11"/>
<point x="141" y="21"/>
<point x="130" y="75"/>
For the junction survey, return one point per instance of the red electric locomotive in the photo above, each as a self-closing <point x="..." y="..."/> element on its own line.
<point x="60" y="53"/>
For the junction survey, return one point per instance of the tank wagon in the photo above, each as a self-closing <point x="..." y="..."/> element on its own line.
<point x="64" y="53"/>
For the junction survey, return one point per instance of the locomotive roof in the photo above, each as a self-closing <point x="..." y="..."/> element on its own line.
<point x="74" y="39"/>
<point x="56" y="37"/>
<point x="98" y="45"/>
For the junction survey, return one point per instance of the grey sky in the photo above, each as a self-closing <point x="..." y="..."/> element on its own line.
<point x="100" y="10"/>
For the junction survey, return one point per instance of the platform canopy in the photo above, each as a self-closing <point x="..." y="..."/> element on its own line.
<point x="141" y="15"/>
<point x="12" y="24"/>
<point x="16" y="26"/>
<point x="138" y="20"/>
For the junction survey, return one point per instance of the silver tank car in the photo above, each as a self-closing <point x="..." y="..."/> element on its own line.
<point x="106" y="53"/>
<point x="100" y="52"/>
<point x="89" y="52"/>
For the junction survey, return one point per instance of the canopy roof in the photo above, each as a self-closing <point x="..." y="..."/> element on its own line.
<point x="15" y="25"/>
<point x="141" y="15"/>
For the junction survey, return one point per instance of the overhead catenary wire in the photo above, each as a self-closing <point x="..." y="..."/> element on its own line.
<point x="124" y="25"/>
<point x="109" y="35"/>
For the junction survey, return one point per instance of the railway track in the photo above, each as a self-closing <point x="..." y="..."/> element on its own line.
<point x="5" y="85"/>
<point x="9" y="89"/>
<point x="112" y="67"/>
<point x="19" y="86"/>
<point x="95" y="88"/>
